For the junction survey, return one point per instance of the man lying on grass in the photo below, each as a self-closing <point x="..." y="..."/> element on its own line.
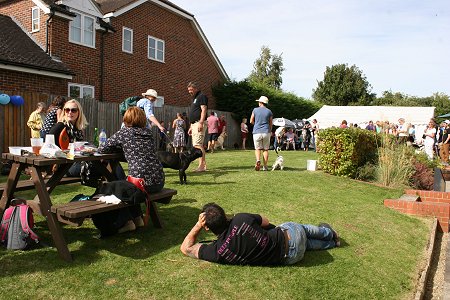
<point x="249" y="239"/>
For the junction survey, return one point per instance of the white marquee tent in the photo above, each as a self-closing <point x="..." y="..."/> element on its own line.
<point x="329" y="116"/>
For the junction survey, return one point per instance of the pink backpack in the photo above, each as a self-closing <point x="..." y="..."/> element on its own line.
<point x="16" y="231"/>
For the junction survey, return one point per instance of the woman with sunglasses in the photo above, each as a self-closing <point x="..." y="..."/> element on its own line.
<point x="73" y="120"/>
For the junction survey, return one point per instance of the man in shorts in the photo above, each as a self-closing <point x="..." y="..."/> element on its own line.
<point x="261" y="119"/>
<point x="197" y="118"/>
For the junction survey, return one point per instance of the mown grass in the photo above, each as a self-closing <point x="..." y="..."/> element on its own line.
<point x="379" y="258"/>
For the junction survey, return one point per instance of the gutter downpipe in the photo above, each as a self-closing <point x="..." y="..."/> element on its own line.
<point x="46" y="32"/>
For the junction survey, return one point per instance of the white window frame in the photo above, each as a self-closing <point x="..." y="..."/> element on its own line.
<point x="83" y="18"/>
<point x="81" y="87"/>
<point x="156" y="50"/>
<point x="36" y="20"/>
<point x="124" y="41"/>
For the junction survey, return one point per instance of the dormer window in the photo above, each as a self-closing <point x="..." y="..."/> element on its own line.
<point x="82" y="30"/>
<point x="35" y="19"/>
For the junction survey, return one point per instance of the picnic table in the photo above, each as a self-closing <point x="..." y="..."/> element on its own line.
<point x="70" y="213"/>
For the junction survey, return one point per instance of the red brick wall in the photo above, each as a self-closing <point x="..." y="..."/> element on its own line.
<point x="430" y="203"/>
<point x="18" y="81"/>
<point x="186" y="59"/>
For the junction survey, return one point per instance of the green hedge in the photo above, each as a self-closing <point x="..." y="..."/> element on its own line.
<point x="343" y="151"/>
<point x="238" y="97"/>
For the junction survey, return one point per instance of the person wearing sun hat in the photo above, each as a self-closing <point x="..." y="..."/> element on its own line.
<point x="445" y="142"/>
<point x="261" y="119"/>
<point x="146" y="104"/>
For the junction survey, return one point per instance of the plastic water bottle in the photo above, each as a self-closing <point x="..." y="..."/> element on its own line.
<point x="102" y="138"/>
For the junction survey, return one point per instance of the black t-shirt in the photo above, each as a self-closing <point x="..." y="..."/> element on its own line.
<point x="246" y="243"/>
<point x="445" y="134"/>
<point x="196" y="111"/>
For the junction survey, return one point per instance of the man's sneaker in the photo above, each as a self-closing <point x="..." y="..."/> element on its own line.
<point x="336" y="238"/>
<point x="264" y="168"/>
<point x="258" y="165"/>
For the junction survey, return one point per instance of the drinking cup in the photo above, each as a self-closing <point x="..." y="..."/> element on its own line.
<point x="36" y="144"/>
<point x="50" y="139"/>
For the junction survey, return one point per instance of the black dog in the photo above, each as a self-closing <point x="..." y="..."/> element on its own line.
<point x="179" y="161"/>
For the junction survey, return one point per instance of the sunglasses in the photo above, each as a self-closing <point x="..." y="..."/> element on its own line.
<point x="73" y="110"/>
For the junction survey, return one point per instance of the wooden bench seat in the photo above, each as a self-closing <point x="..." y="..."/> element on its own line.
<point x="24" y="185"/>
<point x="74" y="213"/>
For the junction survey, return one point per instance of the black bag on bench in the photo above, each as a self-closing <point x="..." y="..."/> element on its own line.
<point x="111" y="221"/>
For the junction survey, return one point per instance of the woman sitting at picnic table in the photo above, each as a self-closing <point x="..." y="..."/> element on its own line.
<point x="136" y="141"/>
<point x="73" y="120"/>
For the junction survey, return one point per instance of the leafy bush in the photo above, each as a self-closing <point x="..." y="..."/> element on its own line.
<point x="342" y="151"/>
<point x="366" y="172"/>
<point x="423" y="177"/>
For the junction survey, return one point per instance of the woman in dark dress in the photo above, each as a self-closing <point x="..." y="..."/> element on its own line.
<point x="136" y="142"/>
<point x="54" y="110"/>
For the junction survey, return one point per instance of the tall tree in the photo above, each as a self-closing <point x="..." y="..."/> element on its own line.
<point x="267" y="69"/>
<point x="343" y="85"/>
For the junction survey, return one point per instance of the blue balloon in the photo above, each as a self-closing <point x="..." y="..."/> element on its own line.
<point x="17" y="100"/>
<point x="4" y="99"/>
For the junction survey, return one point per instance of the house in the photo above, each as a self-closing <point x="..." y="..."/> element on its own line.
<point x="25" y="66"/>
<point x="109" y="50"/>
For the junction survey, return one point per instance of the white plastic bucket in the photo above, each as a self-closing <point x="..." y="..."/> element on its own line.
<point x="311" y="165"/>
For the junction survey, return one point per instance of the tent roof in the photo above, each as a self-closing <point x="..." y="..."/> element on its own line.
<point x="329" y="116"/>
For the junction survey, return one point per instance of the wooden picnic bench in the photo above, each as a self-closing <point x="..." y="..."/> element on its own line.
<point x="70" y="213"/>
<point x="74" y="213"/>
<point x="27" y="184"/>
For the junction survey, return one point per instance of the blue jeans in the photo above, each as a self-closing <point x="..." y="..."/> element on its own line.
<point x="306" y="237"/>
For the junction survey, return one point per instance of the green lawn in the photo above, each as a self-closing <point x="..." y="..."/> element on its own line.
<point x="379" y="258"/>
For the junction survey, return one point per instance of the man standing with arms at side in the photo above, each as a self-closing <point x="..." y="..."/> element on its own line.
<point x="262" y="128"/>
<point x="197" y="118"/>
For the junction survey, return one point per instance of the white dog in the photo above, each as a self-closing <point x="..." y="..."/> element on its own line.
<point x="278" y="164"/>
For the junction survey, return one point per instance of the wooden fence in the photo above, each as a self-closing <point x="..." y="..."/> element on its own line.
<point x="15" y="132"/>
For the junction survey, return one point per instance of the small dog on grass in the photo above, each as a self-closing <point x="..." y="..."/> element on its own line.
<point x="179" y="161"/>
<point x="279" y="162"/>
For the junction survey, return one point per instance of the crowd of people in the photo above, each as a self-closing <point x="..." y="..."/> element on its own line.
<point x="282" y="245"/>
<point x="244" y="238"/>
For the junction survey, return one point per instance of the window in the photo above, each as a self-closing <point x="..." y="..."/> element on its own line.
<point x="82" y="30"/>
<point x="155" y="49"/>
<point x="35" y="19"/>
<point x="127" y="40"/>
<point x="81" y="91"/>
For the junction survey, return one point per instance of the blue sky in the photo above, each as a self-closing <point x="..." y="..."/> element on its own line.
<point x="402" y="46"/>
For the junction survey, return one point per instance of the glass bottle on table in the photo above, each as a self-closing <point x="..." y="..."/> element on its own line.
<point x="96" y="137"/>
